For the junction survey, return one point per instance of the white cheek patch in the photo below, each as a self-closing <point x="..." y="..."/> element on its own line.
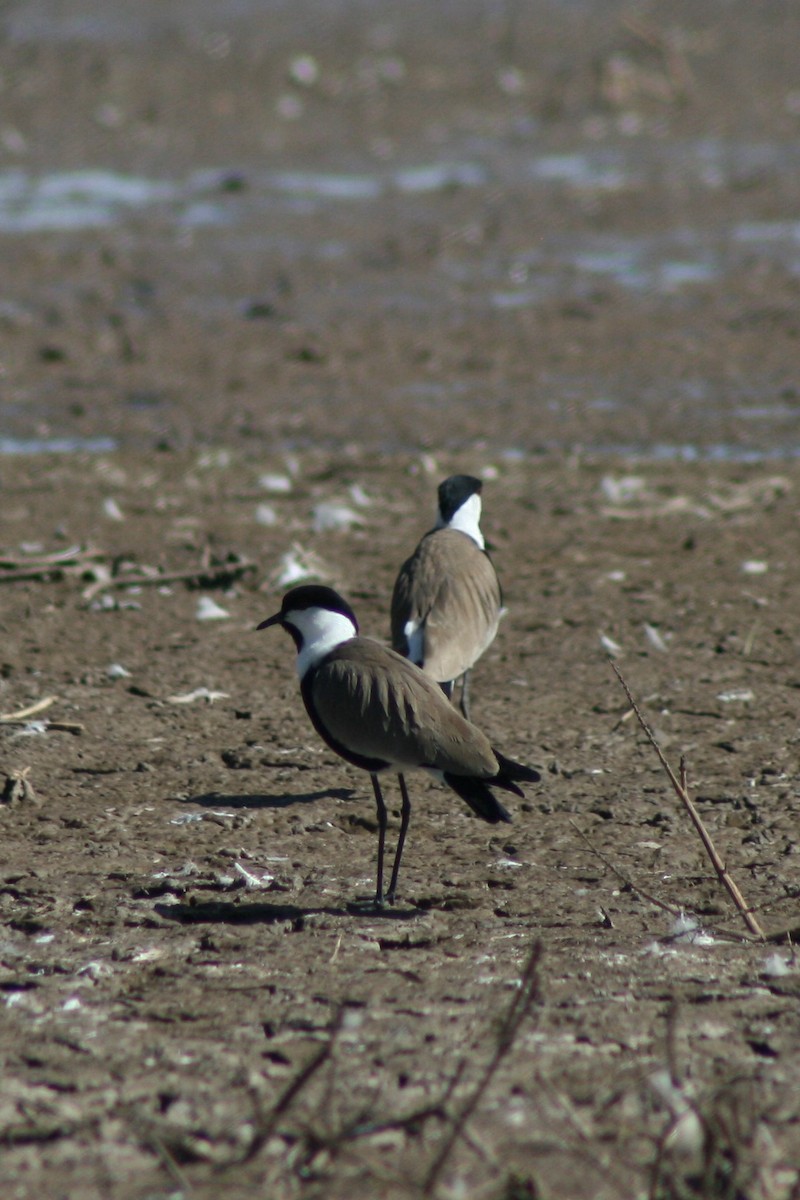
<point x="322" y="630"/>
<point x="467" y="519"/>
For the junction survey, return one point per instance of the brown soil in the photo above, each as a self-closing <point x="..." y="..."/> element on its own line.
<point x="177" y="950"/>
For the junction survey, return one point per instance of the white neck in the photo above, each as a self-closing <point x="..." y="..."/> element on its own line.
<point x="322" y="631"/>
<point x="466" y="519"/>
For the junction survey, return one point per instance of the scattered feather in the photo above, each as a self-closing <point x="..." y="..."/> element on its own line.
<point x="201" y="693"/>
<point x="686" y="929"/>
<point x="95" y="970"/>
<point x="112" y="510"/>
<point x="117" y="671"/>
<point x="744" y="695"/>
<point x="304" y="70"/>
<point x="214" y="458"/>
<point x="687" y="1135"/>
<point x="655" y="638"/>
<point x="775" y="966"/>
<point x="296" y="565"/>
<point x="610" y="646"/>
<point x="211" y="814"/>
<point x="266" y="515"/>
<point x="150" y="954"/>
<point x="186" y="871"/>
<point x="255" y="877"/>
<point x="32" y="729"/>
<point x="329" y="516"/>
<point x="109" y="603"/>
<point x="359" y="496"/>
<point x="616" y="576"/>
<point x="754" y="566"/>
<point x="622" y="489"/>
<point x="209" y="610"/>
<point x="279" y="484"/>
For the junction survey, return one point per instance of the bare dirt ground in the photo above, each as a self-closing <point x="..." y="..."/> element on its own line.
<point x="188" y="1006"/>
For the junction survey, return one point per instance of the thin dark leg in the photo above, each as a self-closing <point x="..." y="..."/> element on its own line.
<point x="381" y="807"/>
<point x="465" y="695"/>
<point x="405" y="817"/>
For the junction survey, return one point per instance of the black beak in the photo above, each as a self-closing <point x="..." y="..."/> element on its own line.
<point x="275" y="620"/>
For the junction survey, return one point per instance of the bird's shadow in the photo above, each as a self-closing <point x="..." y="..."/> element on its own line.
<point x="224" y="912"/>
<point x="267" y="799"/>
<point x="229" y="912"/>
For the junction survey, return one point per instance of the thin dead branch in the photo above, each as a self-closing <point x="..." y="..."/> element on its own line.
<point x="203" y="575"/>
<point x="30" y="711"/>
<point x="625" y="879"/>
<point x="679" y="788"/>
<point x="266" y="1122"/>
<point x="675" y="65"/>
<point x="672" y="909"/>
<point x="73" y="727"/>
<point x="85" y="561"/>
<point x="68" y="556"/>
<point x="524" y="999"/>
<point x="23" y="717"/>
<point x="72" y="561"/>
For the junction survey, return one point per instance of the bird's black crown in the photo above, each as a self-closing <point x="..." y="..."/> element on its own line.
<point x="453" y="492"/>
<point x="316" y="595"/>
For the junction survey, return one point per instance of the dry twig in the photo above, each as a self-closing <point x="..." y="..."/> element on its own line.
<point x="206" y="576"/>
<point x="266" y="1123"/>
<point x="672" y="909"/>
<point x="30" y="711"/>
<point x="23" y="717"/>
<point x="625" y="879"/>
<point x="518" y="1011"/>
<point x="679" y="787"/>
<point x="71" y="561"/>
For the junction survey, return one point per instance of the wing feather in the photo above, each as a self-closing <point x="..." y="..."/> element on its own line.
<point x="448" y="588"/>
<point x="377" y="705"/>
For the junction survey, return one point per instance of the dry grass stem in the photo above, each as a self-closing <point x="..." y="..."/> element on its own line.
<point x="265" y="1125"/>
<point x="672" y="909"/>
<point x="204" y="575"/>
<point x="519" y="1009"/>
<point x="679" y="787"/>
<point x="30" y="711"/>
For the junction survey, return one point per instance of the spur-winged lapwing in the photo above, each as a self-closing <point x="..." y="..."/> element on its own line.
<point x="382" y="713"/>
<point x="447" y="602"/>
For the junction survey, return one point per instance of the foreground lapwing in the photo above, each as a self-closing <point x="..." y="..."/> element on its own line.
<point x="382" y="713"/>
<point x="447" y="602"/>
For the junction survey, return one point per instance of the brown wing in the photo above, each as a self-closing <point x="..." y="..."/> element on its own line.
<point x="378" y="705"/>
<point x="449" y="588"/>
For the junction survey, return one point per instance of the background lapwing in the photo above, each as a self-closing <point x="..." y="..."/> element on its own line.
<point x="447" y="602"/>
<point x="382" y="713"/>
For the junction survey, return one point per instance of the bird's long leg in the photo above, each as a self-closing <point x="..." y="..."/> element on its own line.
<point x="381" y="807"/>
<point x="464" y="705"/>
<point x="405" y="817"/>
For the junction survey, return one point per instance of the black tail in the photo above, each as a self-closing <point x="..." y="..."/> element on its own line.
<point x="477" y="791"/>
<point x="511" y="771"/>
<point x="478" y="796"/>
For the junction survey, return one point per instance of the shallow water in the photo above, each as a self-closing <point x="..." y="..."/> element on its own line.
<point x="57" y="445"/>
